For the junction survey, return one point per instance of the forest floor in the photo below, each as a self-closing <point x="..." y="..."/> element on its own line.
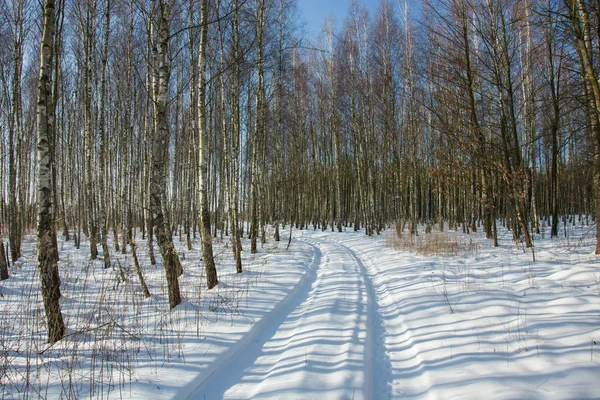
<point x="335" y="316"/>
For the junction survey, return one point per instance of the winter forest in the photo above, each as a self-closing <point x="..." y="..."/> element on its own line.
<point x="162" y="162"/>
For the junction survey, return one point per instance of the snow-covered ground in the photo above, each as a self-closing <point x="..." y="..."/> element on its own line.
<point x="337" y="316"/>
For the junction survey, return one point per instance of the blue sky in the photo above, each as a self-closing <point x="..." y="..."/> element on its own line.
<point x="315" y="11"/>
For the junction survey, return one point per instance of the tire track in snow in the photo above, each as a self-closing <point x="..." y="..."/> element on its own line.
<point x="330" y="327"/>
<point x="268" y="323"/>
<point x="326" y="342"/>
<point x="403" y="340"/>
<point x="379" y="368"/>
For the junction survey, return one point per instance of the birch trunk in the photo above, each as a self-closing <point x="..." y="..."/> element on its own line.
<point x="226" y="162"/>
<point x="259" y="127"/>
<point x="47" y="250"/>
<point x="148" y="132"/>
<point x="160" y="141"/>
<point x="530" y="114"/>
<point x="235" y="146"/>
<point x="207" y="251"/>
<point x="90" y="138"/>
<point x="15" y="131"/>
<point x="194" y="131"/>
<point x="101" y="131"/>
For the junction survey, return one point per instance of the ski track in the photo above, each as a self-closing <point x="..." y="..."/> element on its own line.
<point x="325" y="339"/>
<point x="379" y="370"/>
<point x="229" y="364"/>
<point x="407" y="373"/>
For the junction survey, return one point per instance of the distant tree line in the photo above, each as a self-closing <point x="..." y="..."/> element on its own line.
<point x="206" y="118"/>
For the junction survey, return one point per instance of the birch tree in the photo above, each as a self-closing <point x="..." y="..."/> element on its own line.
<point x="207" y="251"/>
<point x="580" y="22"/>
<point x="15" y="131"/>
<point x="102" y="137"/>
<point x="159" y="145"/>
<point x="89" y="38"/>
<point x="47" y="250"/>
<point x="258" y="135"/>
<point x="235" y="141"/>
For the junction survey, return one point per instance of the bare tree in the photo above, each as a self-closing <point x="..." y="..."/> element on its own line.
<point x="47" y="250"/>
<point x="235" y="141"/>
<point x="207" y="251"/>
<point x="258" y="134"/>
<point x="160" y="140"/>
<point x="89" y="39"/>
<point x="580" y="19"/>
<point x="15" y="131"/>
<point x="102" y="137"/>
<point x="552" y="73"/>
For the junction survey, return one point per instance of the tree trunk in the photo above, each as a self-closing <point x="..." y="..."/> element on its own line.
<point x="554" y="75"/>
<point x="147" y="156"/>
<point x="90" y="137"/>
<point x="580" y="24"/>
<point x="259" y="133"/>
<point x="101" y="129"/>
<point x="158" y="183"/>
<point x="14" y="134"/>
<point x="235" y="146"/>
<point x="194" y="132"/>
<point x="47" y="250"/>
<point x="3" y="264"/>
<point x="207" y="251"/>
<point x="138" y="269"/>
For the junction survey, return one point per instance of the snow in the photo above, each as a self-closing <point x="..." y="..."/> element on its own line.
<point x="337" y="316"/>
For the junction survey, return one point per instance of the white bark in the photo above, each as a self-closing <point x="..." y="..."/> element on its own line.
<point x="207" y="252"/>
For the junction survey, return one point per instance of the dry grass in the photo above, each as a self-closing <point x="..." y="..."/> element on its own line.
<point x="112" y="328"/>
<point x="435" y="243"/>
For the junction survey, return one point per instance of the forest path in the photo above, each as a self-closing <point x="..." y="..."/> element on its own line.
<point x="327" y="340"/>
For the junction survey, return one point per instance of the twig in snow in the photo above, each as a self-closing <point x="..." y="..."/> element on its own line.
<point x="538" y="386"/>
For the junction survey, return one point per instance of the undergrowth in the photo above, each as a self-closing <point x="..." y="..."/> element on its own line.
<point x="112" y="328"/>
<point x="433" y="243"/>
